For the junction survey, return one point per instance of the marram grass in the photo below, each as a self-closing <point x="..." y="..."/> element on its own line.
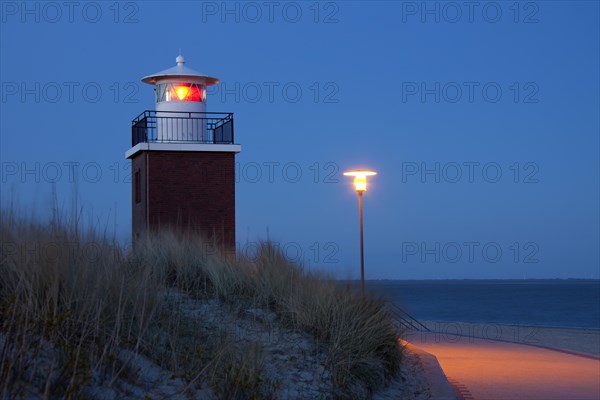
<point x="71" y="302"/>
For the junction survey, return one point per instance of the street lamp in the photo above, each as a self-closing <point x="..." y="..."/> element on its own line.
<point x="360" y="183"/>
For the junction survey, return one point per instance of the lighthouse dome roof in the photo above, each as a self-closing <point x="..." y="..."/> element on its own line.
<point x="180" y="71"/>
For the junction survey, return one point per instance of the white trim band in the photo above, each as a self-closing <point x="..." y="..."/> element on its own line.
<point x="227" y="148"/>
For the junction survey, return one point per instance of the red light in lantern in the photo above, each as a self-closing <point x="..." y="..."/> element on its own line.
<point x="186" y="92"/>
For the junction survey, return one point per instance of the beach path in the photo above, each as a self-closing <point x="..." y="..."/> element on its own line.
<point x="482" y="369"/>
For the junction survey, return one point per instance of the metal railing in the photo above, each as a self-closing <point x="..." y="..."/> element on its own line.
<point x="404" y="319"/>
<point x="182" y="127"/>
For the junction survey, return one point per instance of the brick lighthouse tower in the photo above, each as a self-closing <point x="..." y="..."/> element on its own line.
<point x="183" y="160"/>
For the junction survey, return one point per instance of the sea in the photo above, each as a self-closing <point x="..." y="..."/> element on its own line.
<point x="547" y="303"/>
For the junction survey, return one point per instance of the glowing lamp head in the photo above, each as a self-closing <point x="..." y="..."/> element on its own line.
<point x="360" y="178"/>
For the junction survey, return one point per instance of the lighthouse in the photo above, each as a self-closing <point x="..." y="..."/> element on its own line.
<point x="183" y="160"/>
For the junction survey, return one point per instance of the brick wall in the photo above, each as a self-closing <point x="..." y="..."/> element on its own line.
<point x="185" y="190"/>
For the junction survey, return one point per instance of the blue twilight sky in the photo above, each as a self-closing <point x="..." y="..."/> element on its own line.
<point x="482" y="119"/>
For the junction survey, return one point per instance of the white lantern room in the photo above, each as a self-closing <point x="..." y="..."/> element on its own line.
<point x="181" y="103"/>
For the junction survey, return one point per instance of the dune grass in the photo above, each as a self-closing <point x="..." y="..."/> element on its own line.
<point x="72" y="302"/>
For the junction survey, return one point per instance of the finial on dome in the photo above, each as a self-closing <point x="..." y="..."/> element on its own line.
<point x="180" y="60"/>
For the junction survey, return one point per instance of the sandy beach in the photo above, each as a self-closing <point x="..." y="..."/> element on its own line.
<point x="485" y="361"/>
<point x="577" y="340"/>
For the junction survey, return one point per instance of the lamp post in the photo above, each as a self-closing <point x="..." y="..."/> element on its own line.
<point x="360" y="184"/>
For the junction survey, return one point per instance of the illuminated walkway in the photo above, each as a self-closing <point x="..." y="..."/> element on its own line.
<point x="485" y="370"/>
